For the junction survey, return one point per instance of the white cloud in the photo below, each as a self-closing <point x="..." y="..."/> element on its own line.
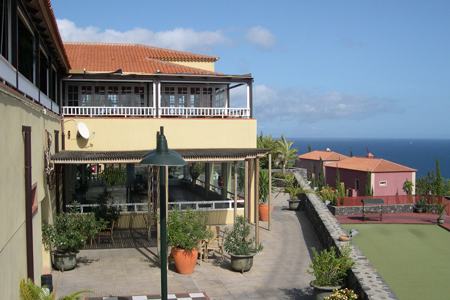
<point x="261" y="37"/>
<point x="272" y="104"/>
<point x="183" y="39"/>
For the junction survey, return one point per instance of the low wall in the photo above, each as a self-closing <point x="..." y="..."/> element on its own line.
<point x="363" y="278"/>
<point x="357" y="210"/>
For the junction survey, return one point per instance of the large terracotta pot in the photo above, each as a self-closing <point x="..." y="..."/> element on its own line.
<point x="264" y="212"/>
<point x="64" y="261"/>
<point x="242" y="263"/>
<point x="320" y="292"/>
<point x="185" y="260"/>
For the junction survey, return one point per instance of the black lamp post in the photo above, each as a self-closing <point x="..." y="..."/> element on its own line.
<point x="163" y="157"/>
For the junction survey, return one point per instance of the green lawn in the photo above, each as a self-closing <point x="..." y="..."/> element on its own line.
<point x="413" y="259"/>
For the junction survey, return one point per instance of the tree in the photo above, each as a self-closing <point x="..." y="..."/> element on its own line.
<point x="285" y="154"/>
<point x="266" y="142"/>
<point x="337" y="183"/>
<point x="408" y="187"/>
<point x="309" y="148"/>
<point x="321" y="179"/>
<point x="438" y="185"/>
<point x="351" y="152"/>
<point x="368" y="187"/>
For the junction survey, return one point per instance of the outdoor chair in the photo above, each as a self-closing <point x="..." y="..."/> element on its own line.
<point x="215" y="243"/>
<point x="107" y="232"/>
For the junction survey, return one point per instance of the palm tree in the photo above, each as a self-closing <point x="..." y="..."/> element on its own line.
<point x="285" y="153"/>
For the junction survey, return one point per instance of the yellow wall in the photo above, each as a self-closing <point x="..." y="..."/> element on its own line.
<point x="140" y="133"/>
<point x="14" y="114"/>
<point x="209" y="66"/>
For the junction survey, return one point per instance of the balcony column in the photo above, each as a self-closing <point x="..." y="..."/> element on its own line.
<point x="226" y="176"/>
<point x="246" y="194"/>
<point x="209" y="177"/>
<point x="157" y="97"/>
<point x="250" y="98"/>
<point x="235" y="191"/>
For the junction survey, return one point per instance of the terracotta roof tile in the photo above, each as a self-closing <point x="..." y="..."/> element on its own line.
<point x="131" y="58"/>
<point x="374" y="165"/>
<point x="325" y="155"/>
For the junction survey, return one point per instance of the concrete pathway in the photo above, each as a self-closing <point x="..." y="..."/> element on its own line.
<point x="278" y="272"/>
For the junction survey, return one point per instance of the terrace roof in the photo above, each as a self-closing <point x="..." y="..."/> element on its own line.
<point x="207" y="155"/>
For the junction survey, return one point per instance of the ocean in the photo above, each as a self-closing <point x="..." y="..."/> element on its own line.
<point x="418" y="154"/>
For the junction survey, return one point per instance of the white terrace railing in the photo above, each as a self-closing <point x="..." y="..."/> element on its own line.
<point x="128" y="208"/>
<point x="187" y="112"/>
<point x="99" y="111"/>
<point x="207" y="205"/>
<point x="220" y="112"/>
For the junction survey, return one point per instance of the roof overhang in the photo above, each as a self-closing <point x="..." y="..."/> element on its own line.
<point x="182" y="77"/>
<point x="134" y="157"/>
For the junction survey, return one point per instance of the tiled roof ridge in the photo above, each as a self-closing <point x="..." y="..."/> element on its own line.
<point x="379" y="161"/>
<point x="191" y="54"/>
<point x="181" y="66"/>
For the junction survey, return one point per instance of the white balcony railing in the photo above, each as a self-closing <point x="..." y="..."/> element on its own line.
<point x="186" y="112"/>
<point x="205" y="112"/>
<point x="128" y="208"/>
<point x="99" y="111"/>
<point x="9" y="74"/>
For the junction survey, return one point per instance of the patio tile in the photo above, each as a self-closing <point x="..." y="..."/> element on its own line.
<point x="279" y="271"/>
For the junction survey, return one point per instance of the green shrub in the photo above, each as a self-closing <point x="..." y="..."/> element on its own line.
<point x="237" y="240"/>
<point x="329" y="267"/>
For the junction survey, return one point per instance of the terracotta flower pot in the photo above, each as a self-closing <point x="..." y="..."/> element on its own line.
<point x="185" y="260"/>
<point x="264" y="212"/>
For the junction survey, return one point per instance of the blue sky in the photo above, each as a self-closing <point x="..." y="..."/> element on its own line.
<point x="341" y="69"/>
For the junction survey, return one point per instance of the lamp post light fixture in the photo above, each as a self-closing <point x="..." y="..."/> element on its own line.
<point x="162" y="157"/>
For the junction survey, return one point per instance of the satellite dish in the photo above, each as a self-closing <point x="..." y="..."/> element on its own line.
<point x="83" y="130"/>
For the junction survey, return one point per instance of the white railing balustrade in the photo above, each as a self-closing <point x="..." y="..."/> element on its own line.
<point x="128" y="208"/>
<point x="186" y="112"/>
<point x="99" y="111"/>
<point x="220" y="112"/>
<point x="207" y="205"/>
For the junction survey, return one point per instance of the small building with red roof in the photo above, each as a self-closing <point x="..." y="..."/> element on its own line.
<point x="386" y="177"/>
<point x="311" y="161"/>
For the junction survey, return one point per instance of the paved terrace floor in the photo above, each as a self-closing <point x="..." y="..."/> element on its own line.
<point x="278" y="272"/>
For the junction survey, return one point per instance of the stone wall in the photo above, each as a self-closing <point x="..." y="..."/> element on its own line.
<point x="363" y="278"/>
<point x="357" y="210"/>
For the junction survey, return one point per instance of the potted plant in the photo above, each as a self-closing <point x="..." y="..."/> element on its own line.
<point x="440" y="206"/>
<point x="342" y="294"/>
<point x="67" y="235"/>
<point x="264" y="191"/>
<point x="195" y="172"/>
<point x="240" y="246"/>
<point x="420" y="204"/>
<point x="106" y="212"/>
<point x="185" y="232"/>
<point x="330" y="269"/>
<point x="293" y="189"/>
<point x="30" y="291"/>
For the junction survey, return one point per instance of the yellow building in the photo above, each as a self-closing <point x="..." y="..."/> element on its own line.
<point x="69" y="110"/>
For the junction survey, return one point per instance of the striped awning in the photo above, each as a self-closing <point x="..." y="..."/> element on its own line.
<point x="190" y="155"/>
